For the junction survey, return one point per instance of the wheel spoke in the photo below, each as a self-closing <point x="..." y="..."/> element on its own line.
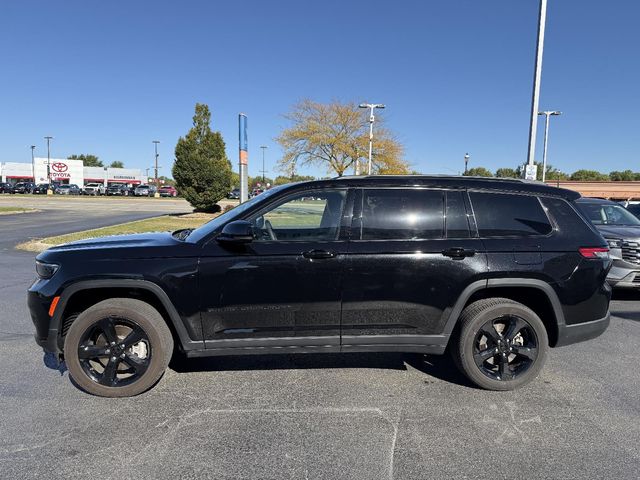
<point x="528" y="352"/>
<point x="109" y="330"/>
<point x="86" y="352"/>
<point x="515" y="325"/>
<point x="139" y="365"/>
<point x="484" y="355"/>
<point x="134" y="337"/>
<point x="504" y="368"/>
<point x="489" y="330"/>
<point x="109" y="377"/>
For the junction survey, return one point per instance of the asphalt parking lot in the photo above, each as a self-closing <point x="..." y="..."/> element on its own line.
<point x="360" y="416"/>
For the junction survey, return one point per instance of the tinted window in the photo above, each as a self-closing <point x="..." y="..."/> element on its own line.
<point x="456" y="217"/>
<point x="396" y="214"/>
<point x="507" y="215"/>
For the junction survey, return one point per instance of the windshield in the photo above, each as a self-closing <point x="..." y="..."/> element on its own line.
<point x="212" y="225"/>
<point x="608" y="214"/>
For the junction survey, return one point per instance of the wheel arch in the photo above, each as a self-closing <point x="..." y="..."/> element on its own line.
<point x="536" y="294"/>
<point x="81" y="295"/>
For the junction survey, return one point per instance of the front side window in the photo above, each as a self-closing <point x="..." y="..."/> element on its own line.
<point x="309" y="216"/>
<point x="509" y="215"/>
<point x="402" y="214"/>
<point x="607" y="214"/>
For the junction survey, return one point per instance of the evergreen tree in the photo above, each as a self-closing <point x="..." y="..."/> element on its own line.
<point x="202" y="170"/>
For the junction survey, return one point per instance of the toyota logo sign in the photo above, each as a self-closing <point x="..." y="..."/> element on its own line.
<point x="59" y="167"/>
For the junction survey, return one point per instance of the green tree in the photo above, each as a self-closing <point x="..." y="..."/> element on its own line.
<point x="589" y="175"/>
<point x="334" y="136"/>
<point x="507" y="173"/>
<point x="117" y="164"/>
<point x="88" y="160"/>
<point x="201" y="169"/>
<point x="625" y="176"/>
<point x="478" y="172"/>
<point x="282" y="180"/>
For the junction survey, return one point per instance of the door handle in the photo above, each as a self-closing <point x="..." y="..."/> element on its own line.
<point x="318" y="254"/>
<point x="458" y="252"/>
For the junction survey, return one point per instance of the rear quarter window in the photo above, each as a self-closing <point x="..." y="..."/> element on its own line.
<point x="509" y="215"/>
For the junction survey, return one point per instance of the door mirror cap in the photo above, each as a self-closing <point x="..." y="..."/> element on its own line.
<point x="239" y="231"/>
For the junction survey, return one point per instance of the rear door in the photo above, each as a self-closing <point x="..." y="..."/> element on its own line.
<point x="411" y="254"/>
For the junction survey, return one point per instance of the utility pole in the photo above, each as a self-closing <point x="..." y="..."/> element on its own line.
<point x="466" y="162"/>
<point x="243" y="160"/>
<point x="48" y="139"/>
<point x="33" y="164"/>
<point x="155" y="144"/>
<point x="372" y="107"/>
<point x="547" y="114"/>
<point x="537" y="75"/>
<point x="263" y="147"/>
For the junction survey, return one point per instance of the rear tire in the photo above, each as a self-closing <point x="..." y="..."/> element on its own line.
<point x="500" y="344"/>
<point x="118" y="348"/>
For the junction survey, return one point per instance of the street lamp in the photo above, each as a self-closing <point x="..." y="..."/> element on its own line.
<point x="263" y="147"/>
<point x="33" y="164"/>
<point x="542" y="17"/>
<point x="466" y="162"/>
<point x="155" y="145"/>
<point x="48" y="139"/>
<point x="372" y="107"/>
<point x="547" y="114"/>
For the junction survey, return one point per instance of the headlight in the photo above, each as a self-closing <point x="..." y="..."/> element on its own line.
<point x="46" y="270"/>
<point x="614" y="242"/>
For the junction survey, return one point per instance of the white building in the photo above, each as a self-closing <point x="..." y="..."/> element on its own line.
<point x="68" y="171"/>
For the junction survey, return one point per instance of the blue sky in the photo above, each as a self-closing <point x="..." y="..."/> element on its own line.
<point x="109" y="77"/>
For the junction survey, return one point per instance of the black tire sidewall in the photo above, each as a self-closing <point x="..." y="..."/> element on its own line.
<point x="468" y="334"/>
<point x="143" y="315"/>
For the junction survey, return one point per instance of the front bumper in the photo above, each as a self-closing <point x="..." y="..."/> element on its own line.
<point x="580" y="332"/>
<point x="624" y="275"/>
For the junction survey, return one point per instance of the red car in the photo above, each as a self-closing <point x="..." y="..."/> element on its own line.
<point x="168" y="191"/>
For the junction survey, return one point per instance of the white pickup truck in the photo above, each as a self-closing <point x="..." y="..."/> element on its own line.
<point x="93" y="189"/>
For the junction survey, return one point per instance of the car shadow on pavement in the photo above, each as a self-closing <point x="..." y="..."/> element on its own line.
<point x="634" y="316"/>
<point x="628" y="295"/>
<point x="440" y="367"/>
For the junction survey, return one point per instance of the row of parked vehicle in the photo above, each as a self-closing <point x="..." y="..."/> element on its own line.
<point x="94" y="189"/>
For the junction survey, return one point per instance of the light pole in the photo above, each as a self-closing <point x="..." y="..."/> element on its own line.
<point x="372" y="118"/>
<point x="155" y="146"/>
<point x="542" y="17"/>
<point x="48" y="139"/>
<point x="466" y="162"/>
<point x="33" y="164"/>
<point x="263" y="147"/>
<point x="546" y="114"/>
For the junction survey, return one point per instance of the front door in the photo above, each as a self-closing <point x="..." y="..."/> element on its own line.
<point x="286" y="283"/>
<point x="411" y="255"/>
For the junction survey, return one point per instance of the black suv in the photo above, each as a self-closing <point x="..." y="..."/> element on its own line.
<point x="495" y="271"/>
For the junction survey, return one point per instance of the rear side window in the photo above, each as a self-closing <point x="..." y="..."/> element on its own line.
<point x="402" y="214"/>
<point x="509" y="215"/>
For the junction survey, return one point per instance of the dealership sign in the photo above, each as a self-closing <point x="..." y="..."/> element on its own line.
<point x="59" y="170"/>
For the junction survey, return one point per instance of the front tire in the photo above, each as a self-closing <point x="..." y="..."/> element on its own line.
<point x="500" y="344"/>
<point x="118" y="348"/>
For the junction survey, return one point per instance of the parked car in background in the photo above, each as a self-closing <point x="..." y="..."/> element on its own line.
<point x="94" y="189"/>
<point x="120" y="189"/>
<point x="234" y="194"/>
<point x="144" y="191"/>
<point x="493" y="271"/>
<point x="23" y="187"/>
<point x="69" y="189"/>
<point x="168" y="191"/>
<point x="6" y="188"/>
<point x="42" y="188"/>
<point x="621" y="229"/>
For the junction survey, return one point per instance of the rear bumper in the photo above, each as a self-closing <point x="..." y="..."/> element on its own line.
<point x="579" y="332"/>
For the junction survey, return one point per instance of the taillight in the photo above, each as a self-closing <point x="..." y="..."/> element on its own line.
<point x="594" y="252"/>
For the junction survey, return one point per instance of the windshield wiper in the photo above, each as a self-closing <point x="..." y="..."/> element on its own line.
<point x="183" y="233"/>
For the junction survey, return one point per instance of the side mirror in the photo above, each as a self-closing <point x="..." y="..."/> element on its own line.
<point x="239" y="231"/>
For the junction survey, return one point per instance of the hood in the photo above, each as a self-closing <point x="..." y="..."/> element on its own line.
<point x="139" y="240"/>
<point x="626" y="232"/>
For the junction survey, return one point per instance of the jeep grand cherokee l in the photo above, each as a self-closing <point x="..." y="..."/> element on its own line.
<point x="494" y="271"/>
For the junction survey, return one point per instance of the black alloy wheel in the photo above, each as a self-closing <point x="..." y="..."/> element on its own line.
<point x="115" y="352"/>
<point x="505" y="347"/>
